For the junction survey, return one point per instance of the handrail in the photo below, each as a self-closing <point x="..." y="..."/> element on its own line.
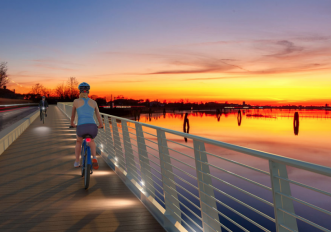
<point x="181" y="188"/>
<point x="264" y="155"/>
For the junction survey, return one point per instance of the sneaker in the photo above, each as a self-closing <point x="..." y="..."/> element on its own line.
<point x="95" y="163"/>
<point x="76" y="165"/>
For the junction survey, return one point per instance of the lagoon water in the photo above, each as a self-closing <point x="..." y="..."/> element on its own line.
<point x="271" y="131"/>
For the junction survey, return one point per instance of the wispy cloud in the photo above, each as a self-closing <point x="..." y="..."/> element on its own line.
<point x="287" y="47"/>
<point x="258" y="57"/>
<point x="289" y="69"/>
<point x="133" y="54"/>
<point x="216" y="43"/>
<point x="211" y="78"/>
<point x="56" y="61"/>
<point x="126" y="81"/>
<point x="201" y="65"/>
<point x="44" y="81"/>
<point x="53" y="67"/>
<point x="55" y="64"/>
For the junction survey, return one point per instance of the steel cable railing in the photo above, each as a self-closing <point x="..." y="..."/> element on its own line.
<point x="208" y="199"/>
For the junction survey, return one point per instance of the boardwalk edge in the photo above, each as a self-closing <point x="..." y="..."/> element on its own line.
<point x="11" y="133"/>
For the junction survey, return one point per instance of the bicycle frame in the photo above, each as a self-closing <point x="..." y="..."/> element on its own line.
<point x="86" y="149"/>
<point x="43" y="114"/>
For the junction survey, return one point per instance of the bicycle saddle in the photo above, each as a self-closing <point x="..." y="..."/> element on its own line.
<point x="87" y="136"/>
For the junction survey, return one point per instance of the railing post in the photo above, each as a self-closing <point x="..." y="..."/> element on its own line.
<point x="144" y="161"/>
<point x="100" y="136"/>
<point x="129" y="158"/>
<point x="281" y="202"/>
<point x="205" y="191"/>
<point x="66" y="110"/>
<point x="117" y="143"/>
<point x="168" y="180"/>
<point x="109" y="145"/>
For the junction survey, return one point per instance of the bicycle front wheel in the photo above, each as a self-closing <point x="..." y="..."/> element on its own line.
<point x="87" y="172"/>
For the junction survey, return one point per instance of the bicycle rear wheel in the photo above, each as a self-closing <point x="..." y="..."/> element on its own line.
<point x="83" y="169"/>
<point x="83" y="160"/>
<point x="87" y="172"/>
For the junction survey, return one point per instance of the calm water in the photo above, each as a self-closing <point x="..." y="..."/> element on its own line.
<point x="271" y="131"/>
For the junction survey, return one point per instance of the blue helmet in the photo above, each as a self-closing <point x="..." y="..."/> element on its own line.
<point x="84" y="87"/>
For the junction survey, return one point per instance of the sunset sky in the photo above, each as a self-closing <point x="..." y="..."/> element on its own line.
<point x="268" y="52"/>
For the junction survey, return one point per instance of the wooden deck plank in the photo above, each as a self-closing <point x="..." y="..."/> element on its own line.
<point x="42" y="191"/>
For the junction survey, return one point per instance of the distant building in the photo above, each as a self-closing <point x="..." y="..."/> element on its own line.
<point x="125" y="102"/>
<point x="326" y="105"/>
<point x="156" y="103"/>
<point x="244" y="103"/>
<point x="6" y="93"/>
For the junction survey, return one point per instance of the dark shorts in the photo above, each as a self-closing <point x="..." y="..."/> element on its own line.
<point x="90" y="129"/>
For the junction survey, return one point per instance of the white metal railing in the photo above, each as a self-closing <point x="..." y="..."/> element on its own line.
<point x="188" y="184"/>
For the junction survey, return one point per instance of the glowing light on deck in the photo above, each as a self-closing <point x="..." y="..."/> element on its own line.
<point x="42" y="129"/>
<point x="66" y="134"/>
<point x="102" y="173"/>
<point x="68" y="146"/>
<point x="121" y="203"/>
<point x="66" y="139"/>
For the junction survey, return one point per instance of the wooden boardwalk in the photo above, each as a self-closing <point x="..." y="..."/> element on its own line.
<point x="40" y="190"/>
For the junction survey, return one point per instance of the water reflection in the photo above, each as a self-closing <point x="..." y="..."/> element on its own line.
<point x="186" y="126"/>
<point x="239" y="117"/>
<point x="150" y="114"/>
<point x="296" y="123"/>
<point x="136" y="114"/>
<point x="273" y="131"/>
<point x="218" y="114"/>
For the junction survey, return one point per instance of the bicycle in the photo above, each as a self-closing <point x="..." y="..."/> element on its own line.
<point x="43" y="114"/>
<point x="87" y="168"/>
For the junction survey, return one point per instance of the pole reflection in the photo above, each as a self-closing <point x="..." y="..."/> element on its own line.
<point x="296" y="123"/>
<point x="218" y="114"/>
<point x="186" y="126"/>
<point x="239" y="117"/>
